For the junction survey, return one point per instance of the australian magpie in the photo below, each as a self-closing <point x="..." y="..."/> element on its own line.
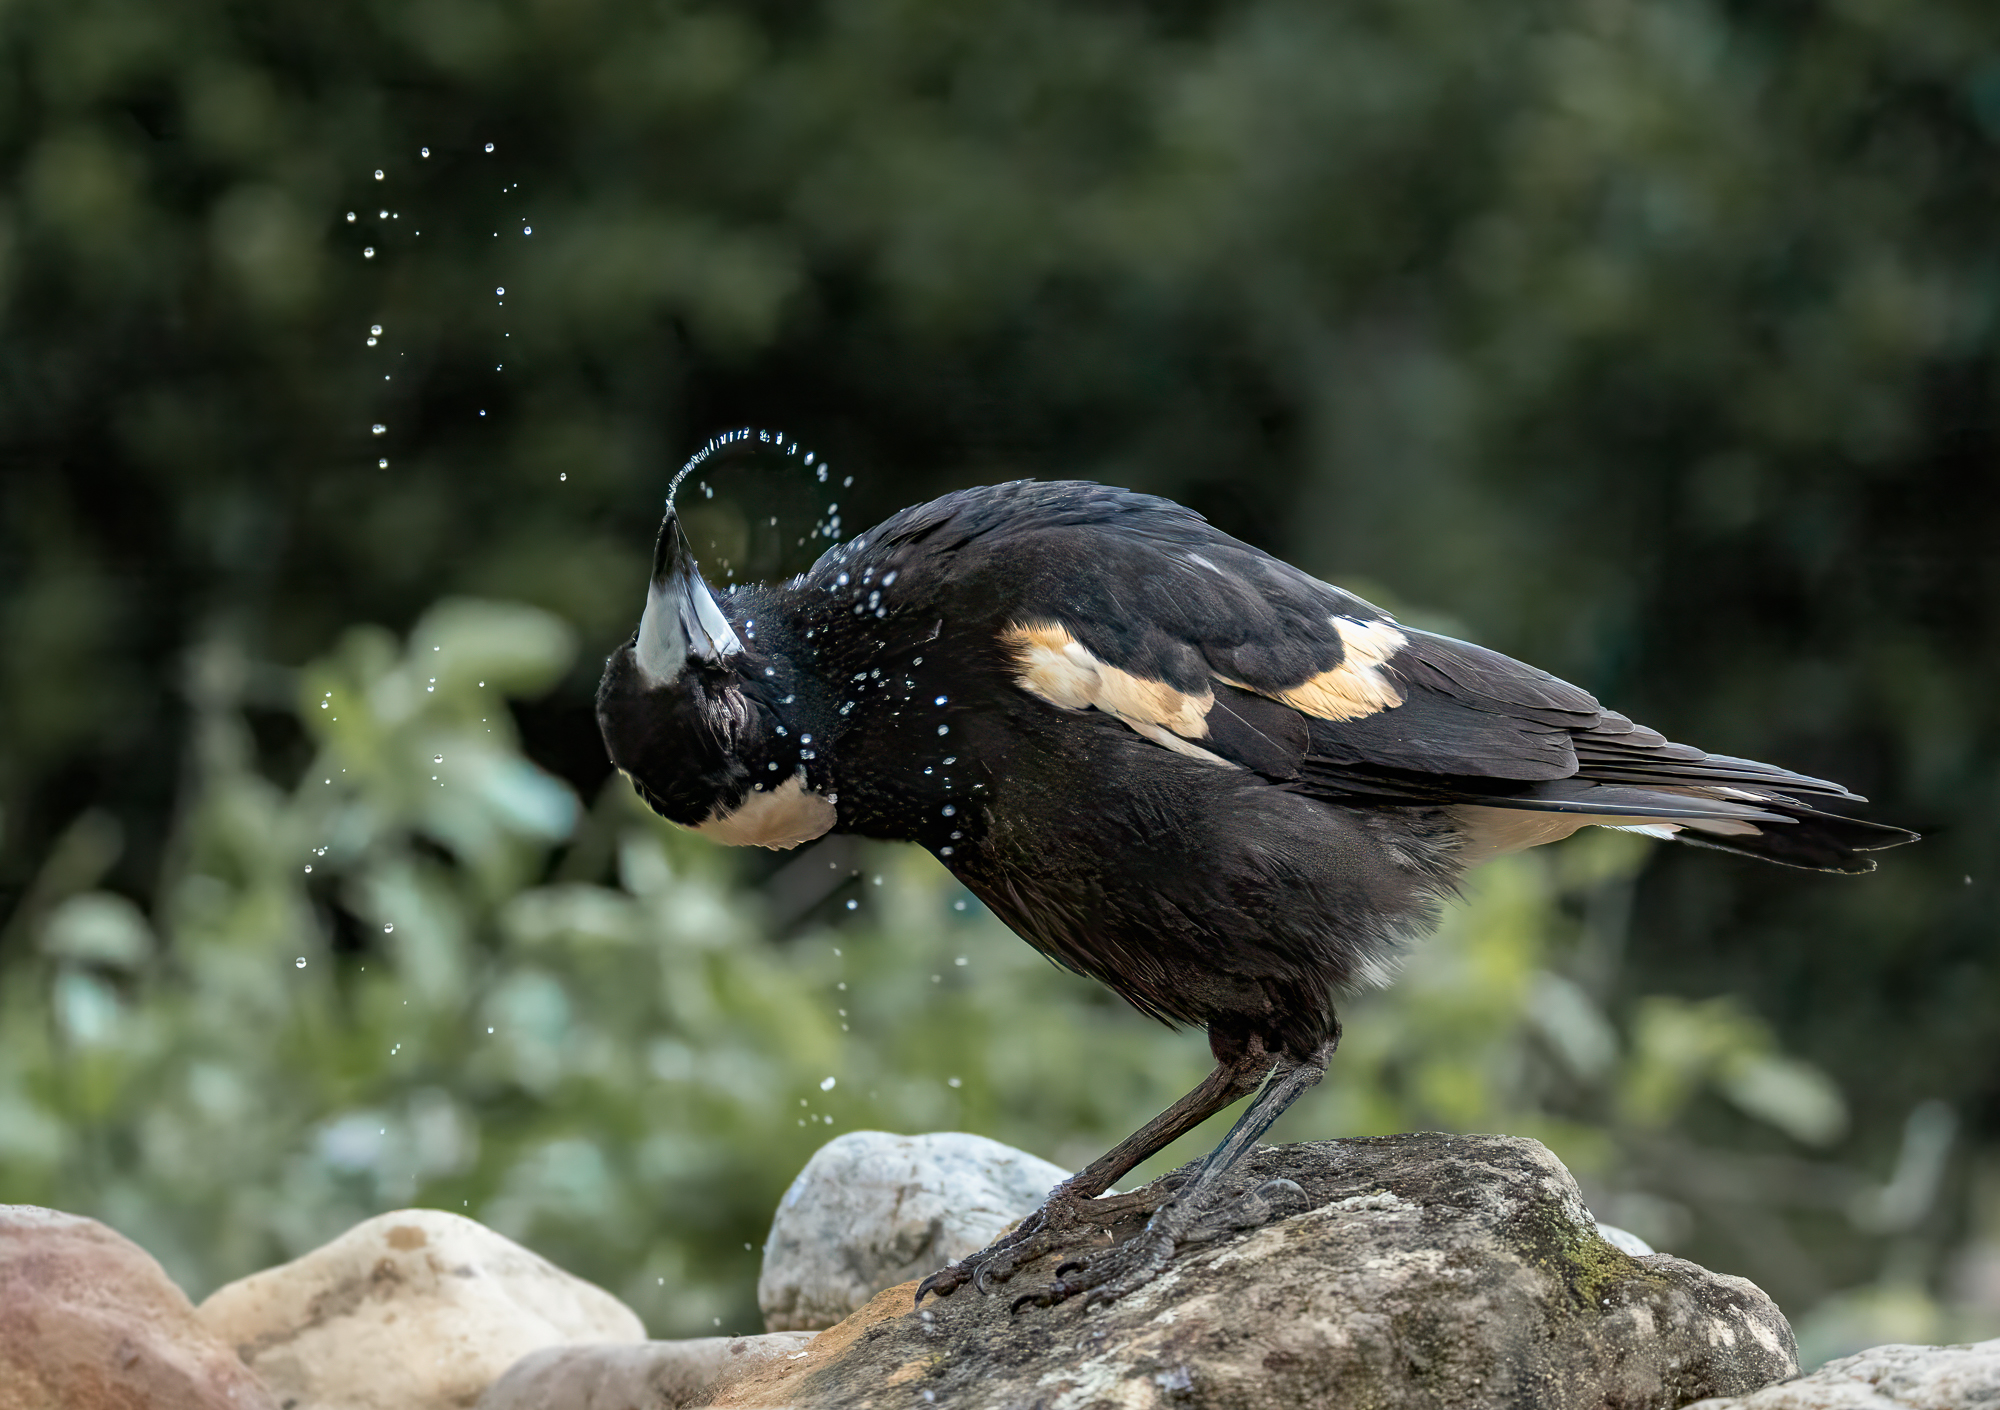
<point x="1167" y="760"/>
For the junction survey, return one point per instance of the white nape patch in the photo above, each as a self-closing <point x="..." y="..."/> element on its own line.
<point x="1053" y="666"/>
<point x="779" y="818"/>
<point x="1490" y="832"/>
<point x="662" y="650"/>
<point x="1357" y="687"/>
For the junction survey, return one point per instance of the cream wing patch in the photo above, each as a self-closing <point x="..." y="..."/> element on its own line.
<point x="1358" y="686"/>
<point x="779" y="818"/>
<point x="1053" y="666"/>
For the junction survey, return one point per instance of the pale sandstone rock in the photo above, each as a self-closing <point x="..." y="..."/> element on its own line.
<point x="1447" y="1272"/>
<point x="416" y="1310"/>
<point x="1893" y="1377"/>
<point x="871" y="1210"/>
<point x="653" y="1375"/>
<point x="89" y="1321"/>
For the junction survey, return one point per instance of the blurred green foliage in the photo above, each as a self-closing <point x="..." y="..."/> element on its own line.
<point x="1652" y="342"/>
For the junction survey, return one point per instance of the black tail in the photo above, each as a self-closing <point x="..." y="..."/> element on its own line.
<point x="1808" y="838"/>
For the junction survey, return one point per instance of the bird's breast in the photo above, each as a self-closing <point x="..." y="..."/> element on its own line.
<point x="778" y="818"/>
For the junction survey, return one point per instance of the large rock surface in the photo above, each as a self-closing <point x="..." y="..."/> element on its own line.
<point x="89" y="1321"/>
<point x="1887" y="1378"/>
<point x="871" y="1210"/>
<point x="653" y="1375"/>
<point x="1435" y="1271"/>
<point x="416" y="1310"/>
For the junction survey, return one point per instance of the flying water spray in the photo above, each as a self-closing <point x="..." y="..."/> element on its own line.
<point x="758" y="505"/>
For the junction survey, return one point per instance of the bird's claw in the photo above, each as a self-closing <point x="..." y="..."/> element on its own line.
<point x="1125" y="1268"/>
<point x="1060" y="1221"/>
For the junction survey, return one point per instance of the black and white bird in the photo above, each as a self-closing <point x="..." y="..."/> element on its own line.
<point x="1166" y="760"/>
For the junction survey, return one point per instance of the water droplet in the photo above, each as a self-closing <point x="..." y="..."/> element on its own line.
<point x="527" y="230"/>
<point x="437" y="758"/>
<point x="308" y="866"/>
<point x="944" y="851"/>
<point x="381" y="215"/>
<point x="389" y="928"/>
<point x="300" y="962"/>
<point x="350" y="217"/>
<point x="826" y="1085"/>
<point x="940" y="700"/>
<point x="500" y="290"/>
<point x="368" y="252"/>
<point x="324" y="703"/>
<point x="953" y="1082"/>
<point x="376" y="329"/>
<point x="851" y="905"/>
<point x="423" y="151"/>
<point x="373" y="341"/>
<point x="563" y="476"/>
<point x="958" y="905"/>
<point x="489" y="146"/>
<point x="378" y="173"/>
<point x="846" y="482"/>
<point x="944" y="729"/>
<point x="948" y="810"/>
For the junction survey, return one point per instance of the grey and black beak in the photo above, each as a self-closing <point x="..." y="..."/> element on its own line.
<point x="682" y="617"/>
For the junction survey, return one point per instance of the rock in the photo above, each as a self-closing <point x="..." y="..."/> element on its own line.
<point x="1886" y="1378"/>
<point x="89" y="1320"/>
<point x="1435" y="1271"/>
<point x="656" y="1375"/>
<point x="871" y="1210"/>
<point x="407" y="1311"/>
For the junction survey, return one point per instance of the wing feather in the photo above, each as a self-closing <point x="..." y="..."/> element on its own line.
<point x="1217" y="650"/>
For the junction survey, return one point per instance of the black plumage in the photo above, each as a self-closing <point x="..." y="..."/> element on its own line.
<point x="1164" y="758"/>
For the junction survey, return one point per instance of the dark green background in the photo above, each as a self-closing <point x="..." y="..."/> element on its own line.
<point x="1652" y="342"/>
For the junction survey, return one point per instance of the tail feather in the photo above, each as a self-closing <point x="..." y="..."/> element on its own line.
<point x="1762" y="823"/>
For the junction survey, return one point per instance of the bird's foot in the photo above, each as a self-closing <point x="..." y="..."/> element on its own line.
<point x="1064" y="1219"/>
<point x="1105" y="1277"/>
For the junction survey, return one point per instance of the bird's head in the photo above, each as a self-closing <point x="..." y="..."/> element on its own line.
<point x="694" y="718"/>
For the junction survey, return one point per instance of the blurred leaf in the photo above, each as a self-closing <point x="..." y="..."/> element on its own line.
<point x="98" y="928"/>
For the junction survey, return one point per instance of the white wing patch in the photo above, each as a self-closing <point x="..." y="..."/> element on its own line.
<point x="1052" y="665"/>
<point x="778" y="818"/>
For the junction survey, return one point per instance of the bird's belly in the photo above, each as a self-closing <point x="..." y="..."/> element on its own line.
<point x="1202" y="895"/>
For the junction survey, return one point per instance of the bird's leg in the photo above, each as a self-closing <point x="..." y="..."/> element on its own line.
<point x="1073" y="1207"/>
<point x="1196" y="1212"/>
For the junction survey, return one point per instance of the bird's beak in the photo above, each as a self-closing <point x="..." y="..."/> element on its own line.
<point x="682" y="617"/>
